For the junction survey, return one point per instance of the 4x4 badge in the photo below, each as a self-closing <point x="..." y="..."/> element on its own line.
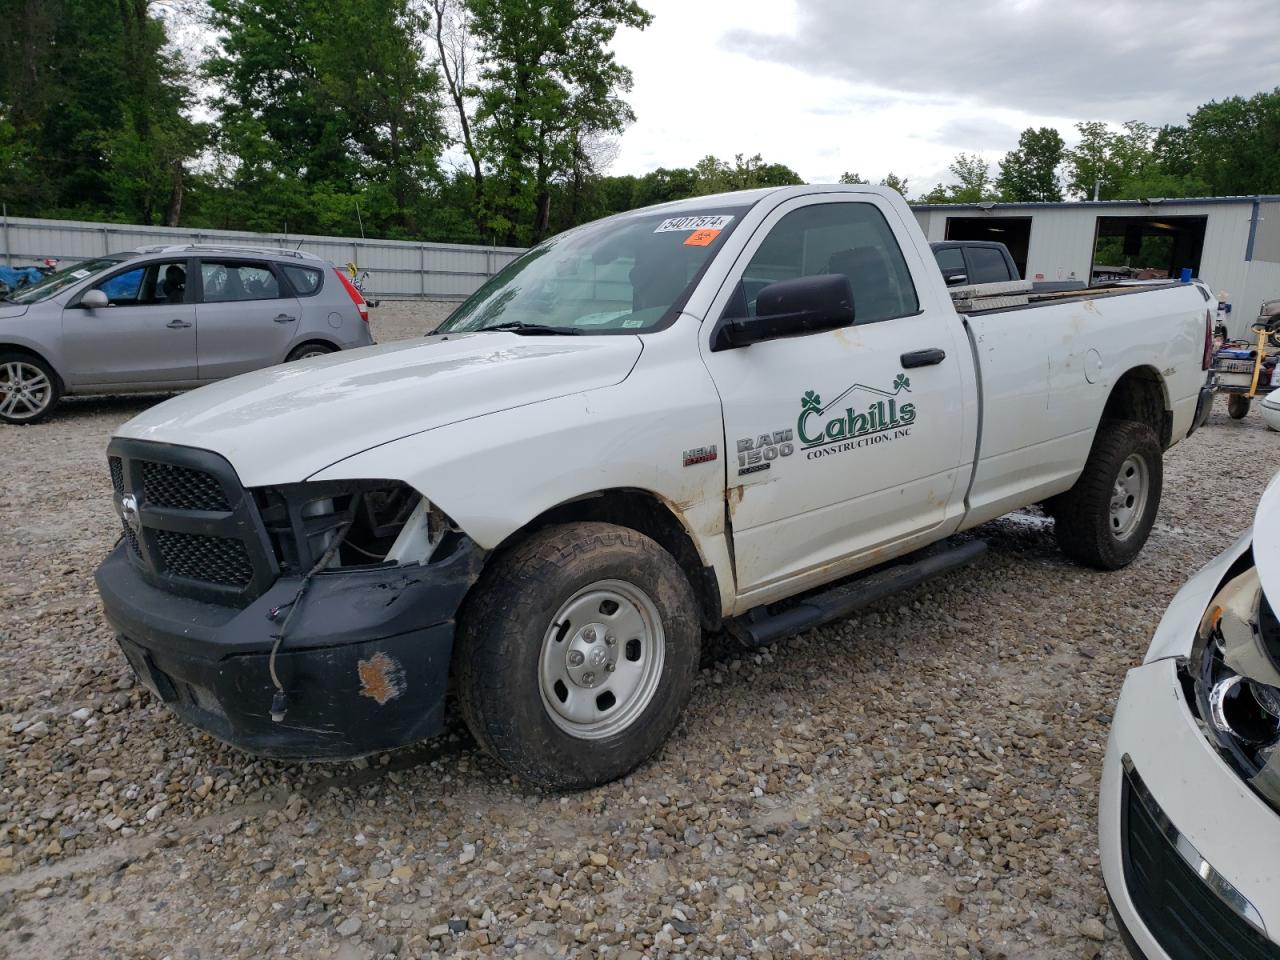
<point x="700" y="455"/>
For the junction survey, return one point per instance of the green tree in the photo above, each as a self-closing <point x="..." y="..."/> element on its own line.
<point x="1114" y="163"/>
<point x="1030" y="172"/>
<point x="973" y="179"/>
<point x="745" y="173"/>
<point x="973" y="182"/>
<point x="895" y="182"/>
<point x="1231" y="147"/>
<point x="664" y="185"/>
<point x="307" y="128"/>
<point x="548" y="81"/>
<point x="92" y="111"/>
<point x="851" y="178"/>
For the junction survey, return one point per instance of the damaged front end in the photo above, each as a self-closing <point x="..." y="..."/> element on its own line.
<point x="1233" y="680"/>
<point x="310" y="621"/>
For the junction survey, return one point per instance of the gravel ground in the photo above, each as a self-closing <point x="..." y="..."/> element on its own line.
<point x="918" y="781"/>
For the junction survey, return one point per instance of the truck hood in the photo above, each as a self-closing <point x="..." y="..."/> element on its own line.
<point x="285" y="423"/>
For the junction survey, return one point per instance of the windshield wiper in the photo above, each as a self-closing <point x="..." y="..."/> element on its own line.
<point x="537" y="329"/>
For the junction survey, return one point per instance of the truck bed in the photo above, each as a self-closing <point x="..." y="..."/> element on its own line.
<point x="988" y="297"/>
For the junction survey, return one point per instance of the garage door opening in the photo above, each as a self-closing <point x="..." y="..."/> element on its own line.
<point x="1013" y="232"/>
<point x="1147" y="248"/>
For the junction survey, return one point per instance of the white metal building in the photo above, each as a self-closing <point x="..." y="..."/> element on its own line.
<point x="1233" y="243"/>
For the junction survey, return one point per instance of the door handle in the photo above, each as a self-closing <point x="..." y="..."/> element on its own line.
<point x="285" y="318"/>
<point x="177" y="324"/>
<point x="922" y="358"/>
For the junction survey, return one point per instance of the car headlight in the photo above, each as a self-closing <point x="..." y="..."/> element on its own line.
<point x="347" y="524"/>
<point x="1234" y="680"/>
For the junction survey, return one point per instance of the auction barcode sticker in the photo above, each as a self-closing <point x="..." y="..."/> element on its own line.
<point x="684" y="224"/>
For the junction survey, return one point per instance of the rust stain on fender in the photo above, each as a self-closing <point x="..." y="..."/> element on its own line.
<point x="381" y="678"/>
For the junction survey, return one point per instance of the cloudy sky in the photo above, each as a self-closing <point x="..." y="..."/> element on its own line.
<point x="870" y="86"/>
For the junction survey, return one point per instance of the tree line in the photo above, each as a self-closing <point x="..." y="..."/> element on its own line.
<point x="471" y="121"/>
<point x="1226" y="148"/>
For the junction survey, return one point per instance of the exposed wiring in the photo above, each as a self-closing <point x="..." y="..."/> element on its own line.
<point x="280" y="700"/>
<point x="367" y="553"/>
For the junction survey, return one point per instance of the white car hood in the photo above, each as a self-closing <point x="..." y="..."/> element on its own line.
<point x="1266" y="541"/>
<point x="11" y="311"/>
<point x="285" y="423"/>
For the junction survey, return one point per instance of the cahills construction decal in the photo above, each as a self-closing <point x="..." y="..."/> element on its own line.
<point x="879" y="421"/>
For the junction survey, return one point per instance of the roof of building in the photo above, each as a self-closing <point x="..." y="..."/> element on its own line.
<point x="988" y="206"/>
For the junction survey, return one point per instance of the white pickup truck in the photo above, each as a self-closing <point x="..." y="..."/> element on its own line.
<point x="662" y="423"/>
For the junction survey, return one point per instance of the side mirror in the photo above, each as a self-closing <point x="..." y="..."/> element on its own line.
<point x="790" y="307"/>
<point x="957" y="278"/>
<point x="94" y="300"/>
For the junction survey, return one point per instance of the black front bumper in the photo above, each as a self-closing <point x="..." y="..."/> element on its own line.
<point x="364" y="664"/>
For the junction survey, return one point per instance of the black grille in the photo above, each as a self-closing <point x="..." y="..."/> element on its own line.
<point x="132" y="541"/>
<point x="196" y="532"/>
<point x="181" y="488"/>
<point x="117" y="481"/>
<point x="1183" y="913"/>
<point x="212" y="559"/>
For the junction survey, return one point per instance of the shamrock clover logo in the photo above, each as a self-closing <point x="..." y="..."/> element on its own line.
<point x="901" y="383"/>
<point x="811" y="401"/>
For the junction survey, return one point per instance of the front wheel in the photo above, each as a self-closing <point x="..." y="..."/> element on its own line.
<point x="1104" y="520"/>
<point x="29" y="389"/>
<point x="577" y="654"/>
<point x="1238" y="406"/>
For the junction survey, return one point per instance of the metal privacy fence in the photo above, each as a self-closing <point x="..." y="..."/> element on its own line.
<point x="398" y="269"/>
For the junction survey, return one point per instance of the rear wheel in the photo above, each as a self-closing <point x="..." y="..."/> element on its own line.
<point x="308" y="350"/>
<point x="578" y="654"/>
<point x="29" y="389"/>
<point x="1238" y="406"/>
<point x="1104" y="520"/>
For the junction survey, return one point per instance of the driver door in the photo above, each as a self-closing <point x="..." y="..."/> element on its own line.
<point x="843" y="449"/>
<point x="146" y="334"/>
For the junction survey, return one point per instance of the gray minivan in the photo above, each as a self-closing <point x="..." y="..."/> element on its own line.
<point x="169" y="318"/>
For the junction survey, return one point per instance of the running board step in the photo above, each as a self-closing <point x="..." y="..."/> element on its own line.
<point x="759" y="627"/>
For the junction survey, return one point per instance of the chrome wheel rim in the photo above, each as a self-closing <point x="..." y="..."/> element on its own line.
<point x="311" y="353"/>
<point x="601" y="659"/>
<point x="25" y="390"/>
<point x="1129" y="497"/>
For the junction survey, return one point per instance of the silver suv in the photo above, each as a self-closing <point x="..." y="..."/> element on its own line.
<point x="169" y="318"/>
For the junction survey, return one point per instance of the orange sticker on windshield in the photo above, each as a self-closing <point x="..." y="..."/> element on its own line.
<point x="701" y="238"/>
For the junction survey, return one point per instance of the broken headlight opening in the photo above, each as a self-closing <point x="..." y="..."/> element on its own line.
<point x="332" y="526"/>
<point x="372" y="522"/>
<point x="1233" y="681"/>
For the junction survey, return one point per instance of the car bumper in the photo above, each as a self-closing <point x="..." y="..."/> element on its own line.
<point x="1189" y="852"/>
<point x="364" y="664"/>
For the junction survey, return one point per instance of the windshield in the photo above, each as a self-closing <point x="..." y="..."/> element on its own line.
<point x="620" y="275"/>
<point x="62" y="279"/>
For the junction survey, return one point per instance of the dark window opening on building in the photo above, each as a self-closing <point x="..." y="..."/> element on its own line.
<point x="1147" y="248"/>
<point x="1013" y="232"/>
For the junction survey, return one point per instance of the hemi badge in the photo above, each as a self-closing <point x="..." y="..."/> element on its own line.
<point x="699" y="455"/>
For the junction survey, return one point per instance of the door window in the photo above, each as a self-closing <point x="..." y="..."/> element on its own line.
<point x="951" y="263"/>
<point x="852" y="239"/>
<point x="149" y="285"/>
<point x="227" y="281"/>
<point x="988" y="265"/>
